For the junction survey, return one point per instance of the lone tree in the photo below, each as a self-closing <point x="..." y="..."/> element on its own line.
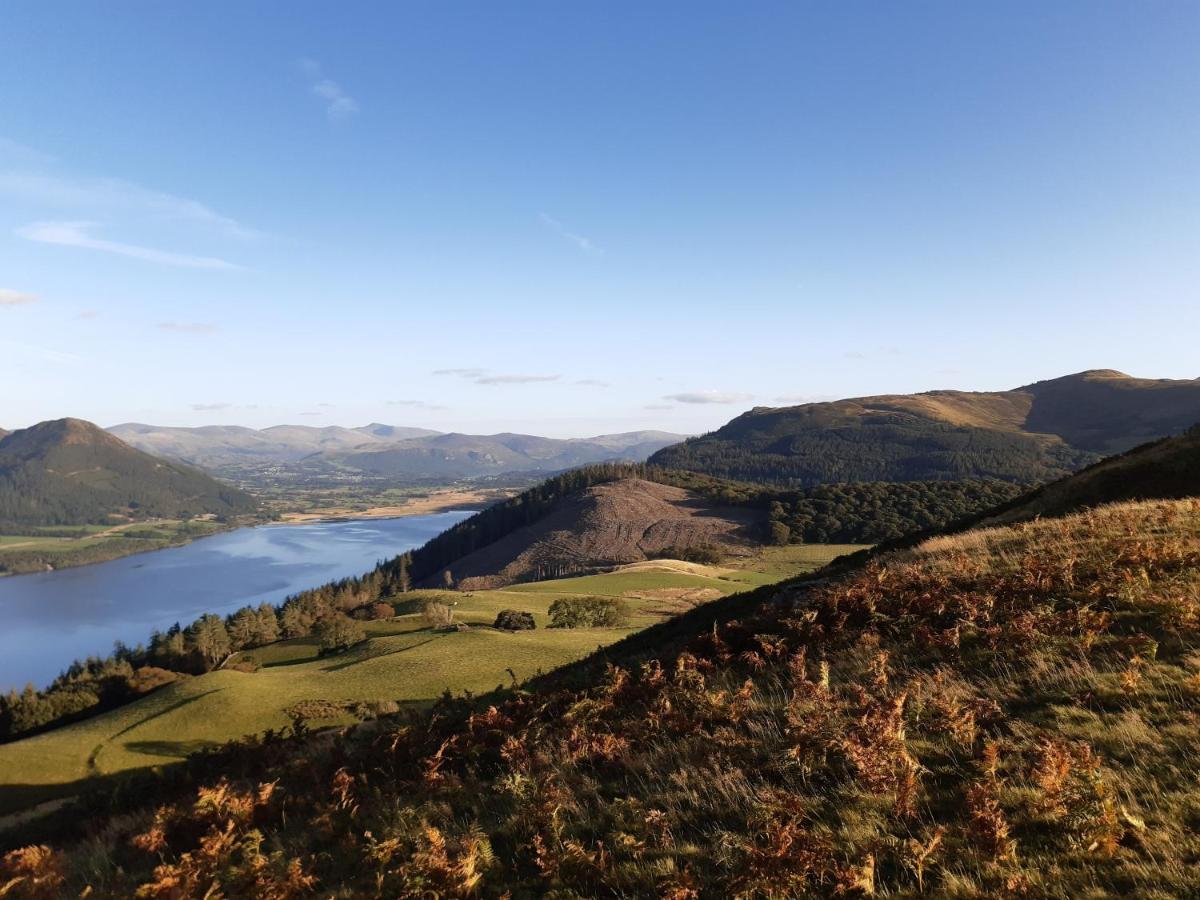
<point x="514" y="620"/>
<point x="339" y="632"/>
<point x="211" y="640"/>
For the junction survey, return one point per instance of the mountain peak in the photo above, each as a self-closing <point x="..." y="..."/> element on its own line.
<point x="57" y="432"/>
<point x="69" y="471"/>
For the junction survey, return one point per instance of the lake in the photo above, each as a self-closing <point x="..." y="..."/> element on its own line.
<point x="52" y="618"/>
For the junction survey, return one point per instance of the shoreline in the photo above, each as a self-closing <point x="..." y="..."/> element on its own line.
<point x="436" y="502"/>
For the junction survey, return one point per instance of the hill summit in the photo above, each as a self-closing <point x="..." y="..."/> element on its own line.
<point x="1035" y="433"/>
<point x="69" y="472"/>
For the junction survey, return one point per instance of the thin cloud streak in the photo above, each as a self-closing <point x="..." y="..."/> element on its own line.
<point x="190" y="327"/>
<point x="210" y="407"/>
<point x="480" y="376"/>
<point x="416" y="404"/>
<point x="9" y="297"/>
<point x="702" y="397"/>
<point x="464" y="373"/>
<point x="584" y="244"/>
<point x="116" y="195"/>
<point x="516" y="379"/>
<point x="75" y="234"/>
<point x="338" y="104"/>
<point x="45" y="354"/>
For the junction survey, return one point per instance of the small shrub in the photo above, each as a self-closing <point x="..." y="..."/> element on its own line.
<point x="515" y="620"/>
<point x="437" y="614"/>
<point x="588" y="612"/>
<point x="378" y="611"/>
<point x="705" y="555"/>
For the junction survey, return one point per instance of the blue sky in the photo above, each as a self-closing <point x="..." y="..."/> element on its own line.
<point x="591" y="217"/>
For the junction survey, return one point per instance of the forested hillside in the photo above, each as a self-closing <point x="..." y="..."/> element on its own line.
<point x="69" y="472"/>
<point x="1029" y="435"/>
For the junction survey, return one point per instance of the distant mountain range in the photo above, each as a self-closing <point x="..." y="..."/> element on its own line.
<point x="70" y="472"/>
<point x="1032" y="434"/>
<point x="215" y="446"/>
<point x="385" y="450"/>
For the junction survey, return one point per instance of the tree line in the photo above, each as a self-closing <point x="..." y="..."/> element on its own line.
<point x="94" y="685"/>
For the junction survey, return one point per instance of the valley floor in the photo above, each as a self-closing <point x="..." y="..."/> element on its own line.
<point x="403" y="661"/>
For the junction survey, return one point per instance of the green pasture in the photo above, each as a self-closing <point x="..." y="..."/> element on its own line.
<point x="402" y="660"/>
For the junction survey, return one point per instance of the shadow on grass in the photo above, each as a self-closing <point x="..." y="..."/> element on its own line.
<point x="174" y="749"/>
<point x="93" y="768"/>
<point x="367" y="657"/>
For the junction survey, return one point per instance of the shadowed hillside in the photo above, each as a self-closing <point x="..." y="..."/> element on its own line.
<point x="1031" y="434"/>
<point x="1165" y="469"/>
<point x="68" y="471"/>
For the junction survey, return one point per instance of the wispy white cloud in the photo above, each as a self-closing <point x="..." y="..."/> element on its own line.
<point x="415" y="404"/>
<point x="515" y="379"/>
<point x="585" y="244"/>
<point x="43" y="354"/>
<point x="481" y="376"/>
<point x="658" y="406"/>
<point x="75" y="234"/>
<point x="593" y="382"/>
<point x="87" y="314"/>
<point x="708" y="397"/>
<point x="9" y="297"/>
<point x="464" y="373"/>
<point x="338" y="104"/>
<point x="115" y="195"/>
<point x="190" y="327"/>
<point x="14" y="153"/>
<point x="210" y="407"/>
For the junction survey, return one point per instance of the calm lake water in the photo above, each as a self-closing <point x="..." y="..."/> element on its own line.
<point x="47" y="620"/>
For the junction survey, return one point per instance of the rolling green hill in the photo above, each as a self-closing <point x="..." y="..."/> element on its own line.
<point x="403" y="659"/>
<point x="1032" y="434"/>
<point x="70" y="472"/>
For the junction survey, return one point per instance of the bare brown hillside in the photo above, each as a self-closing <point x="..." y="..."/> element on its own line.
<point x="607" y="525"/>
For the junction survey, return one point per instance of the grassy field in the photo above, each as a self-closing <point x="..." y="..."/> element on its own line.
<point x="402" y="660"/>
<point x="59" y="548"/>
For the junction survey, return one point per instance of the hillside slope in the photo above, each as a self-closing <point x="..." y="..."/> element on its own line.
<point x="1009" y="713"/>
<point x="68" y="472"/>
<point x="606" y="525"/>
<point x="1166" y="469"/>
<point x="1031" y="434"/>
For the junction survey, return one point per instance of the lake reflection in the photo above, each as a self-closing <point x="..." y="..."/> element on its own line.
<point x="47" y="620"/>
